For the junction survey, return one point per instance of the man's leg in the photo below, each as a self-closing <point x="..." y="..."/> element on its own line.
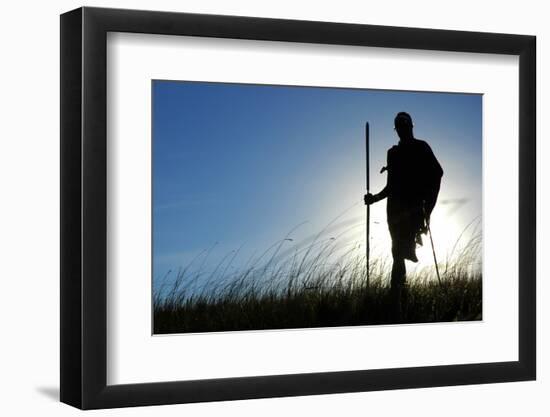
<point x="397" y="290"/>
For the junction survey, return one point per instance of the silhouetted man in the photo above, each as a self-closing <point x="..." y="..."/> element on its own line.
<point x="414" y="178"/>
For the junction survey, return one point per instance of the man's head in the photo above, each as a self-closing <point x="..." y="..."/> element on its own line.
<point x="404" y="125"/>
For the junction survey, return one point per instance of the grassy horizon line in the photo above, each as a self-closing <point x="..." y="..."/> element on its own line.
<point x="321" y="285"/>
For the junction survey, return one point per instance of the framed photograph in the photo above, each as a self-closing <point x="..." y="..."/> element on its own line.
<point x="257" y="207"/>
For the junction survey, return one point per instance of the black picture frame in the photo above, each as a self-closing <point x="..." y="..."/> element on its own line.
<point x="84" y="207"/>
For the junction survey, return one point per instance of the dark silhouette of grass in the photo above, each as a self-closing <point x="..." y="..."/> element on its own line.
<point x="320" y="285"/>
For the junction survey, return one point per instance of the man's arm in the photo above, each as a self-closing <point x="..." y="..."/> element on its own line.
<point x="370" y="198"/>
<point x="434" y="174"/>
<point x="375" y="198"/>
<point x="434" y="164"/>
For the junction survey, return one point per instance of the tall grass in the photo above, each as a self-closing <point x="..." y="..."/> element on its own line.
<point x="321" y="284"/>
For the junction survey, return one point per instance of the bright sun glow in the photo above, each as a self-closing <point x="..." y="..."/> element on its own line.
<point x="453" y="235"/>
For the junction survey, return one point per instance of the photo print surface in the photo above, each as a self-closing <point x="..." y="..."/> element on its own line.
<point x="261" y="212"/>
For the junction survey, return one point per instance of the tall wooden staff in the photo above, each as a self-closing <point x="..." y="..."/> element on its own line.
<point x="368" y="205"/>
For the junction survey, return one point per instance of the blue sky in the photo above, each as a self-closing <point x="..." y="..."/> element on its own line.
<point x="238" y="165"/>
